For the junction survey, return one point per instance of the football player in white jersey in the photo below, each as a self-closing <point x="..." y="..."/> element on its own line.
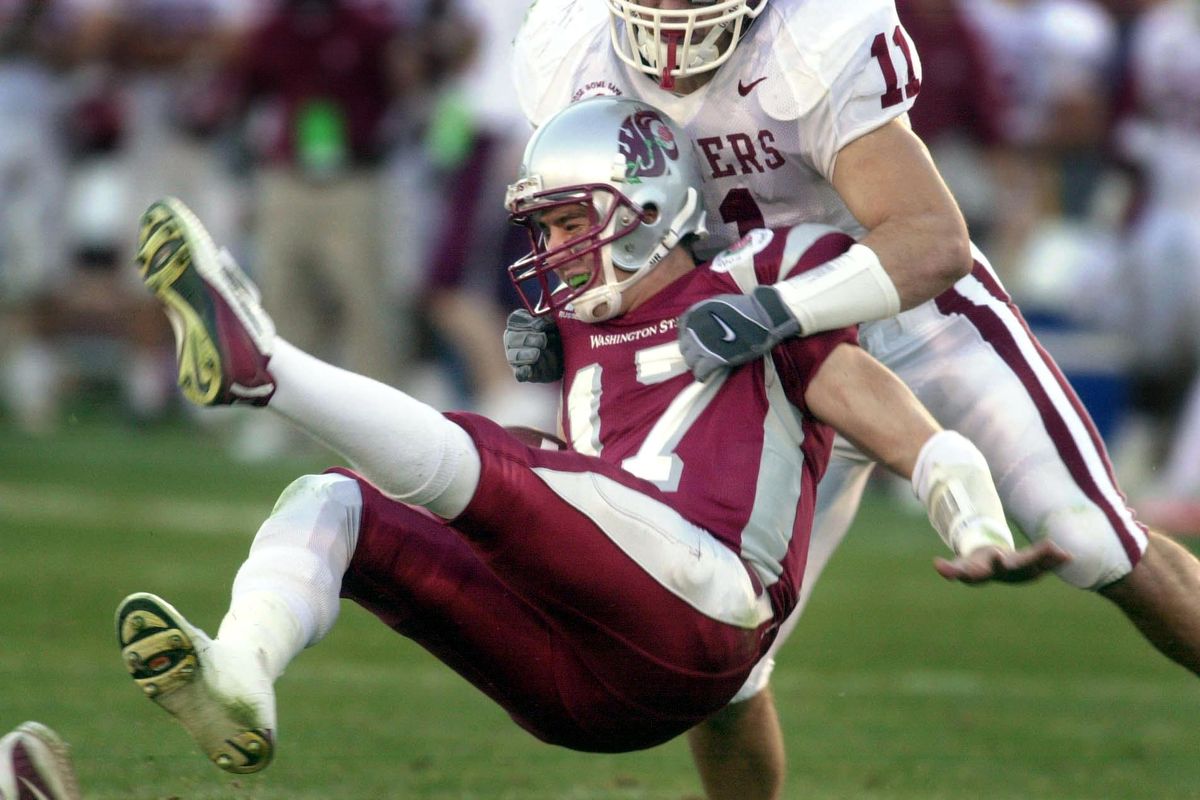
<point x="610" y="595"/>
<point x="799" y="110"/>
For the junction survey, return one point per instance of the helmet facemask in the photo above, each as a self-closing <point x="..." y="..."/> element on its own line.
<point x="634" y="177"/>
<point x="612" y="217"/>
<point x="562" y="276"/>
<point x="676" y="43"/>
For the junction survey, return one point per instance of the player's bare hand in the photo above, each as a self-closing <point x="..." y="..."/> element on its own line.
<point x="988" y="563"/>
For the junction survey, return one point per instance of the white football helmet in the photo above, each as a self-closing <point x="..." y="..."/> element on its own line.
<point x="637" y="175"/>
<point x="670" y="44"/>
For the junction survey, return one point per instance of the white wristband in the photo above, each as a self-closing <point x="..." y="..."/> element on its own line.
<point x="952" y="480"/>
<point x="847" y="290"/>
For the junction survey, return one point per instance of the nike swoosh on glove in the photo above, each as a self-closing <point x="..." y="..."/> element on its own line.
<point x="533" y="348"/>
<point x="731" y="329"/>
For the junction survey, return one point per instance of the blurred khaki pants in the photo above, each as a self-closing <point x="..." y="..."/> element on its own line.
<point x="320" y="268"/>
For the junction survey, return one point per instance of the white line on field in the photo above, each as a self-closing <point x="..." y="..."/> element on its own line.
<point x="966" y="683"/>
<point x="70" y="505"/>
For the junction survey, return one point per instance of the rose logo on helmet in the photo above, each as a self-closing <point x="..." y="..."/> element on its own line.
<point x="648" y="144"/>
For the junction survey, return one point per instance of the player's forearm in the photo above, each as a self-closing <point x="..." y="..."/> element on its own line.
<point x="914" y="226"/>
<point x="923" y="253"/>
<point x="870" y="406"/>
<point x="865" y="402"/>
<point x="900" y="264"/>
<point x="851" y="288"/>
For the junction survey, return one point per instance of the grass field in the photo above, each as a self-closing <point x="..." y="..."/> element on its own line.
<point x="896" y="685"/>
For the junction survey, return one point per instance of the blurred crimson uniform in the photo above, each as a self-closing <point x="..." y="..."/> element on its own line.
<point x="667" y="545"/>
<point x="1043" y="54"/>
<point x="320" y="71"/>
<point x="959" y="116"/>
<point x="325" y="72"/>
<point x="958" y="94"/>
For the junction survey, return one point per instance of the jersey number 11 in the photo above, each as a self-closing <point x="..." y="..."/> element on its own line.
<point x="882" y="53"/>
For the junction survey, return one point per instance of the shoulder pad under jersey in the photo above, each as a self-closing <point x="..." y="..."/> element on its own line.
<point x="851" y="67"/>
<point x="833" y="36"/>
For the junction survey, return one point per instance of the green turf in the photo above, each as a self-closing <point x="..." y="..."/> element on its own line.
<point x="896" y="685"/>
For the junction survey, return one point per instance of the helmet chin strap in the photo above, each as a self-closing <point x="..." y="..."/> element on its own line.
<point x="597" y="305"/>
<point x="605" y="302"/>
<point x="601" y="302"/>
<point x="673" y="235"/>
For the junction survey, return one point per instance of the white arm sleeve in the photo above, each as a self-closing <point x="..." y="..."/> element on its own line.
<point x="847" y="290"/>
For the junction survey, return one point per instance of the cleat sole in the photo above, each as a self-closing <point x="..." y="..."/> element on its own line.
<point x="179" y="263"/>
<point x="169" y="259"/>
<point x="158" y="648"/>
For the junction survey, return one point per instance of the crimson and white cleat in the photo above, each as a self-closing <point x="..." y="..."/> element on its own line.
<point x="223" y="338"/>
<point x="222" y="696"/>
<point x="35" y="764"/>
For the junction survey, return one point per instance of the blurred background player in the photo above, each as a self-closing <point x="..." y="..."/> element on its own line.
<point x="316" y="80"/>
<point x="478" y="132"/>
<point x="959" y="115"/>
<point x="1052" y="63"/>
<point x="1158" y="133"/>
<point x="164" y="55"/>
<point x="63" y="132"/>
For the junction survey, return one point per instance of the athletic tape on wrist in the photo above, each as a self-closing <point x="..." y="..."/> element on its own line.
<point x="952" y="480"/>
<point x="847" y="290"/>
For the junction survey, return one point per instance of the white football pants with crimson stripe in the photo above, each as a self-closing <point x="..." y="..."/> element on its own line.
<point x="970" y="358"/>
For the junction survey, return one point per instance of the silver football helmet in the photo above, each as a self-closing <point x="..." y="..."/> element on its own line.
<point x="670" y="44"/>
<point x="637" y="176"/>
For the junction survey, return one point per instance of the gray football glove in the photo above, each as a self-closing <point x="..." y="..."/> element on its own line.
<point x="731" y="329"/>
<point x="533" y="348"/>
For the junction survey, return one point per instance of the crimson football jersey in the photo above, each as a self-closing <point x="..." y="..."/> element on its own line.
<point x="739" y="455"/>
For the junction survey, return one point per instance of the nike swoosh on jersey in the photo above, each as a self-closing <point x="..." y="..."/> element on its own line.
<point x="745" y="88"/>
<point x="727" y="334"/>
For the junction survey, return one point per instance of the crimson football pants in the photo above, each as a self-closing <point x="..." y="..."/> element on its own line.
<point x="529" y="600"/>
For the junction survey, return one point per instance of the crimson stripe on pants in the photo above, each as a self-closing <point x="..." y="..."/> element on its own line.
<point x="996" y="332"/>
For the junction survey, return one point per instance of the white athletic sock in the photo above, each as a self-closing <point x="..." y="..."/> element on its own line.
<point x="264" y="624"/>
<point x="285" y="595"/>
<point x="404" y="447"/>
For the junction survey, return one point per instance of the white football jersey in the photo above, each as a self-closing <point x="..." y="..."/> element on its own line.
<point x="810" y="77"/>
